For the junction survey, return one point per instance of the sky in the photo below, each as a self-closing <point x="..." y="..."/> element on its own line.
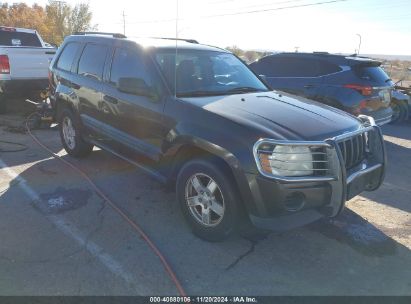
<point x="275" y="25"/>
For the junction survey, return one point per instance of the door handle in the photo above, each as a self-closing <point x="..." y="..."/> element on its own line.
<point x="110" y="99"/>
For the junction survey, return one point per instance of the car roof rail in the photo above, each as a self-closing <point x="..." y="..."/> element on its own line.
<point x="178" y="39"/>
<point x="114" y="35"/>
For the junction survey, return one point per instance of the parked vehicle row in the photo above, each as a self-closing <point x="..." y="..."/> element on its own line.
<point x="24" y="62"/>
<point x="353" y="84"/>
<point x="401" y="103"/>
<point x="199" y="119"/>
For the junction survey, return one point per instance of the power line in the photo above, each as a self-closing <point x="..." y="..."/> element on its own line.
<point x="269" y="4"/>
<point x="243" y="13"/>
<point x="273" y="9"/>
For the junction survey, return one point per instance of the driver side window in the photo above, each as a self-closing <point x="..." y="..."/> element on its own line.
<point x="128" y="64"/>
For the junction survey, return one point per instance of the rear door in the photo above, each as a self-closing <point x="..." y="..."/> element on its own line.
<point x="296" y="75"/>
<point x="87" y="85"/>
<point x="133" y="121"/>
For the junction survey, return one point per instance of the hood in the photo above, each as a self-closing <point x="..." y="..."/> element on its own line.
<point x="279" y="115"/>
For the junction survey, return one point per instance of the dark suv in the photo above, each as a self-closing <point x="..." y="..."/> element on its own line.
<point x="198" y="118"/>
<point x="354" y="84"/>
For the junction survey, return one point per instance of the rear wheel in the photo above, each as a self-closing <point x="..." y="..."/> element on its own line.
<point x="208" y="200"/>
<point x="70" y="134"/>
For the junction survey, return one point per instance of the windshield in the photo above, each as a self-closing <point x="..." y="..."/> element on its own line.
<point x="206" y="73"/>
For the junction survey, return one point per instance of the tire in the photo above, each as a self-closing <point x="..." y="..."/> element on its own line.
<point x="405" y="111"/>
<point x="70" y="134"/>
<point x="400" y="112"/>
<point x="222" y="204"/>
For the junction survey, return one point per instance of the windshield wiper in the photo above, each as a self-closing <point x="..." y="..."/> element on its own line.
<point x="388" y="80"/>
<point x="245" y="90"/>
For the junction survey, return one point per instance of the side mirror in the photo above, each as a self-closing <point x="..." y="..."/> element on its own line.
<point x="136" y="86"/>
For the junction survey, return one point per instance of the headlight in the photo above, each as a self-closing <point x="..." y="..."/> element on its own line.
<point x="288" y="161"/>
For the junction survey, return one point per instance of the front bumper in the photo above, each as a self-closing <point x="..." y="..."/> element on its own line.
<point x="283" y="203"/>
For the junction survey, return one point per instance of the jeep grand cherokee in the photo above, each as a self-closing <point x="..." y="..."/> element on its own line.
<point x="198" y="118"/>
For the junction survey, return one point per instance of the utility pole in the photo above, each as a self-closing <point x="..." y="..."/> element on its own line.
<point x="359" y="44"/>
<point x="124" y="23"/>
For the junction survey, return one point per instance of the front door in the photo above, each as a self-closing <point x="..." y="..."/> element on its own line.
<point x="135" y="121"/>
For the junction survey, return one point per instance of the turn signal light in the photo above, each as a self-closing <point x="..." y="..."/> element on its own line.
<point x="364" y="90"/>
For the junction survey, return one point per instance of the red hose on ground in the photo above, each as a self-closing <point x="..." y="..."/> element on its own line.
<point x="133" y="224"/>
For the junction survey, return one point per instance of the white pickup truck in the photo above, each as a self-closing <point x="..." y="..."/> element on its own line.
<point x="24" y="61"/>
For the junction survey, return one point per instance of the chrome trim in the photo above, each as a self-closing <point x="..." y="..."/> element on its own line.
<point x="362" y="172"/>
<point x="351" y="134"/>
<point x="291" y="143"/>
<point x="368" y="125"/>
<point x="368" y="119"/>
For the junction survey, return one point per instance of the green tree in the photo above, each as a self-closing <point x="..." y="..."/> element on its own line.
<point x="54" y="22"/>
<point x="65" y="20"/>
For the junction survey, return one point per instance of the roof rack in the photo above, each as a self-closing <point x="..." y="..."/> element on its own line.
<point x="114" y="35"/>
<point x="178" y="39"/>
<point x="321" y="53"/>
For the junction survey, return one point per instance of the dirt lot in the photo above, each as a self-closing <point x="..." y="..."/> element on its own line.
<point x="58" y="237"/>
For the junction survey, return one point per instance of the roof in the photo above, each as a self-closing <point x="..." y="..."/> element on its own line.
<point x="157" y="43"/>
<point x="353" y="58"/>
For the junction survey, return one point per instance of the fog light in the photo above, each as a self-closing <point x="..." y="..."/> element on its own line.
<point x="294" y="201"/>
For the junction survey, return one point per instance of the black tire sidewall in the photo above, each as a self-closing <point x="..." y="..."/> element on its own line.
<point x="229" y="222"/>
<point x="404" y="110"/>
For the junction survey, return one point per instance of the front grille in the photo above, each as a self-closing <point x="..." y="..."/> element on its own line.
<point x="353" y="150"/>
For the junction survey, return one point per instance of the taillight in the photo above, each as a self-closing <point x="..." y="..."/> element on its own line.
<point x="363" y="104"/>
<point x="4" y="64"/>
<point x="358" y="110"/>
<point x="364" y="90"/>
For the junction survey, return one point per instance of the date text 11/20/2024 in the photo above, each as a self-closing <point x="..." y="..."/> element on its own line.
<point x="188" y="299"/>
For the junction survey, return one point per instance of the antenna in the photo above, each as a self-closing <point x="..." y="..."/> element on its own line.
<point x="124" y="23"/>
<point x="175" y="61"/>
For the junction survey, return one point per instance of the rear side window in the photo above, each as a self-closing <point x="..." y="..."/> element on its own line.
<point x="128" y="64"/>
<point x="10" y="38"/>
<point x="283" y="66"/>
<point x="326" y="68"/>
<point x="371" y="73"/>
<point x="67" y="56"/>
<point x="92" y="61"/>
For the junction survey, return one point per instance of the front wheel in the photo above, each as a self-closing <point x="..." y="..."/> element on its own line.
<point x="70" y="134"/>
<point x="208" y="200"/>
